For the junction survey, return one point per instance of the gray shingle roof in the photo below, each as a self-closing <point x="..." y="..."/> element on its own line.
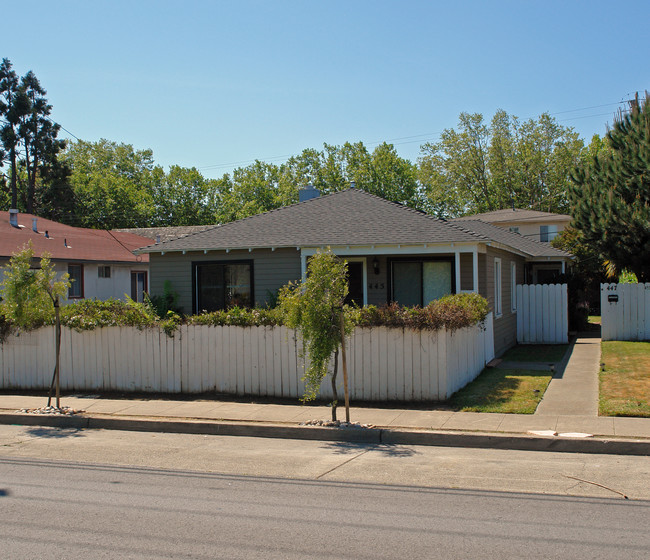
<point x="165" y="233"/>
<point x="350" y="217"/>
<point x="518" y="214"/>
<point x="514" y="240"/>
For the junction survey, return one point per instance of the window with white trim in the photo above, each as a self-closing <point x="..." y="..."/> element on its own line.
<point x="497" y="287"/>
<point x="513" y="286"/>
<point x="547" y="233"/>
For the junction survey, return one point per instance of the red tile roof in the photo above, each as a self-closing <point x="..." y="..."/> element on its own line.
<point x="69" y="243"/>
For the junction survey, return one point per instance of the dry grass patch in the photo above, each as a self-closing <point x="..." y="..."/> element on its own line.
<point x="625" y="379"/>
<point x="512" y="391"/>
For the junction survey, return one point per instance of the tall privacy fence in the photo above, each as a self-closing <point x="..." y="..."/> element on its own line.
<point x="383" y="363"/>
<point x="625" y="311"/>
<point x="542" y="314"/>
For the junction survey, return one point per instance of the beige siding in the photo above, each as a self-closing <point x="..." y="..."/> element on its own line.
<point x="505" y="326"/>
<point x="271" y="271"/>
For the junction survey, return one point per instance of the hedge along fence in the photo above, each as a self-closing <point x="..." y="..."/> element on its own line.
<point x="384" y="363"/>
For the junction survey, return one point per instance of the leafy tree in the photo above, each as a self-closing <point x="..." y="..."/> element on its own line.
<point x="251" y="190"/>
<point x="315" y="308"/>
<point x="479" y="168"/>
<point x="112" y="184"/>
<point x="610" y="197"/>
<point x="183" y="197"/>
<point x="30" y="296"/>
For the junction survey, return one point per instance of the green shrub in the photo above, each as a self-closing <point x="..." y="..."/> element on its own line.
<point x="452" y="312"/>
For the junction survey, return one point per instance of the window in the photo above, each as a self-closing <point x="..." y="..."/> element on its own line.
<point x="497" y="288"/>
<point x="76" y="289"/>
<point x="419" y="282"/>
<point x="103" y="272"/>
<point x="513" y="286"/>
<point x="138" y="286"/>
<point x="547" y="233"/>
<point x="220" y="285"/>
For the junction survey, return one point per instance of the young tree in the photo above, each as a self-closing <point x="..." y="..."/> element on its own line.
<point x="30" y="296"/>
<point x="610" y="197"/>
<point x="315" y="308"/>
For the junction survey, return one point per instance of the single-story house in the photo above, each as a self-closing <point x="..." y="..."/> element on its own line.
<point x="533" y="224"/>
<point x="394" y="253"/>
<point x="101" y="263"/>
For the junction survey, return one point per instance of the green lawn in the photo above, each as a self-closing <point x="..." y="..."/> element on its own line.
<point x="514" y="391"/>
<point x="545" y="353"/>
<point x="625" y="379"/>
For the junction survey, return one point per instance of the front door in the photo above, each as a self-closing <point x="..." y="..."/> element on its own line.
<point x="138" y="286"/>
<point x="355" y="283"/>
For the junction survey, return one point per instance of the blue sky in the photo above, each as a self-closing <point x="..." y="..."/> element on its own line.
<point x="216" y="85"/>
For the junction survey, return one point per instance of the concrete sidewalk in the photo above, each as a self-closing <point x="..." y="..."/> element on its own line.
<point x="394" y="425"/>
<point x="573" y="391"/>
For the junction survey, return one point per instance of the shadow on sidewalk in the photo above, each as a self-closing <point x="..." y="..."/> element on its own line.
<point x="388" y="449"/>
<point x="55" y="433"/>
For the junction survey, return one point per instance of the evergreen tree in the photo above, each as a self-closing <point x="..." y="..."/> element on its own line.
<point x="11" y="112"/>
<point x="610" y="196"/>
<point x="38" y="136"/>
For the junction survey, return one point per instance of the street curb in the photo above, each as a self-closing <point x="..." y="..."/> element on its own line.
<point x="389" y="436"/>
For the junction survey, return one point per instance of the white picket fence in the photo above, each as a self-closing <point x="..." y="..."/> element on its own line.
<point x="625" y="311"/>
<point x="542" y="314"/>
<point x="384" y="364"/>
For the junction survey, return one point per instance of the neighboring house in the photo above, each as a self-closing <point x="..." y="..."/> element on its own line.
<point x="394" y="253"/>
<point x="100" y="262"/>
<point x="533" y="224"/>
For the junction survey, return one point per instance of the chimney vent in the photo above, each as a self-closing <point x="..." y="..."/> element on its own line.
<point x="307" y="193"/>
<point x="35" y="225"/>
<point x="47" y="235"/>
<point x="157" y="238"/>
<point x="13" y="217"/>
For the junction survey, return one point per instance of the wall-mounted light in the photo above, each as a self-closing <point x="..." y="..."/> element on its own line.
<point x="375" y="265"/>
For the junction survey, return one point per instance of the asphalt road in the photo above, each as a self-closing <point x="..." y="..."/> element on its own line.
<point x="78" y="494"/>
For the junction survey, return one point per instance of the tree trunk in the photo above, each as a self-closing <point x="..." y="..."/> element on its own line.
<point x="14" y="184"/>
<point x="57" y="368"/>
<point x="345" y="370"/>
<point x="334" y="374"/>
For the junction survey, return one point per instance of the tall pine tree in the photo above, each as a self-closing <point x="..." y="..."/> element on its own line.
<point x="610" y="197"/>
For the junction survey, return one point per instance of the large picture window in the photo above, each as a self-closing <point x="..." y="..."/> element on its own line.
<point x="220" y="285"/>
<point x="419" y="281"/>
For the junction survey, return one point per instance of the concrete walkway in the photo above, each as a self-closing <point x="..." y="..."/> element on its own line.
<point x="388" y="425"/>
<point x="573" y="391"/>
